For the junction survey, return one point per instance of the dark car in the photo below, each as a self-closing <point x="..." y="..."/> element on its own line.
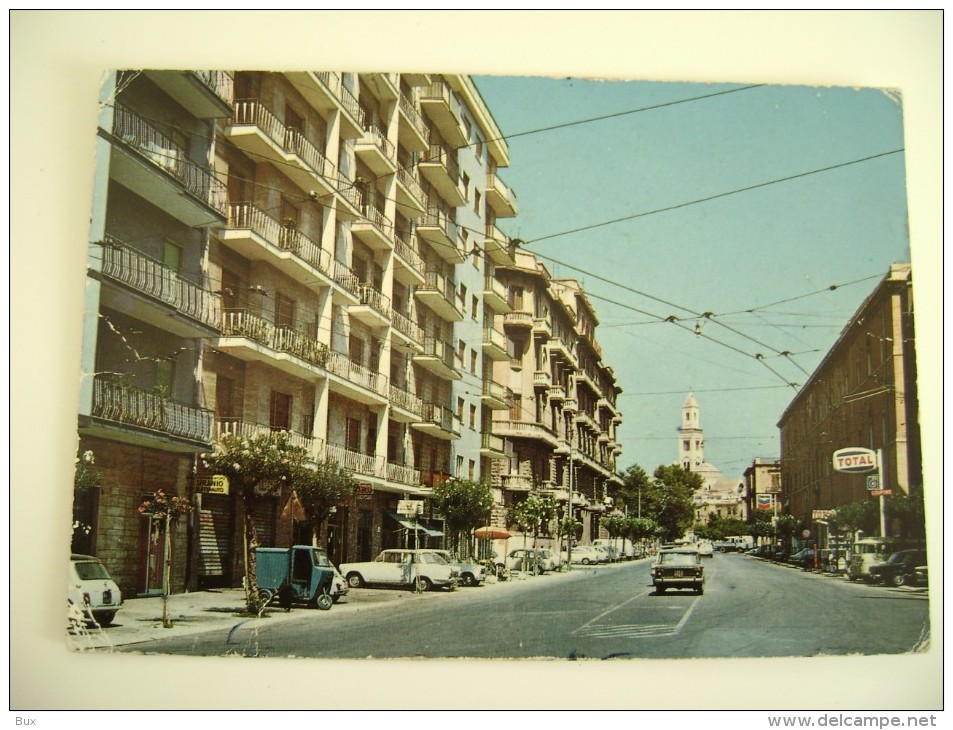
<point x="678" y="569"/>
<point x="899" y="569"/>
<point x="804" y="558"/>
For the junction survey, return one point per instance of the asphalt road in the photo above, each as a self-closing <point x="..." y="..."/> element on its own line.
<point x="750" y="608"/>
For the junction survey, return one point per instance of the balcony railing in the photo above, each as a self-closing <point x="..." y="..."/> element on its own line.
<point x="380" y="221"/>
<point x="406" y="326"/>
<point x="444" y="351"/>
<point x="355" y="461"/>
<point x="296" y="143"/>
<point x="378" y="301"/>
<point x="148" y="141"/>
<point x="249" y="429"/>
<point x="408" y="252"/>
<point x="222" y="83"/>
<point x="439" y="155"/>
<point x="407" y="179"/>
<point x="410" y="111"/>
<point x="402" y="474"/>
<point x="524" y="429"/>
<point x="374" y="135"/>
<point x="146" y="275"/>
<point x="351" y="105"/>
<point x="344" y="367"/>
<point x="490" y="442"/>
<point x="517" y="482"/>
<point x="345" y="278"/>
<point x="123" y="403"/>
<point x="242" y="323"/>
<point x="242" y="216"/>
<point x="405" y="399"/>
<point x="442" y="416"/>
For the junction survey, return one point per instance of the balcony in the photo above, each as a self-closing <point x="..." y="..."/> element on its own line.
<point x="494" y="344"/>
<point x="516" y="483"/>
<point x="496" y="396"/>
<point x="558" y="347"/>
<point x="373" y="308"/>
<point x="442" y="234"/>
<point x="204" y="94"/>
<point x="248" y="429"/>
<point x="607" y="405"/>
<point x="259" y="132"/>
<point x="376" y="151"/>
<point x="142" y="416"/>
<point x="151" y="165"/>
<point x="542" y="327"/>
<point x="492" y="447"/>
<point x="440" y="169"/>
<point x="439" y="103"/>
<point x="563" y="447"/>
<point x="585" y="377"/>
<point x="404" y="405"/>
<point x="406" y="333"/>
<point x="499" y="247"/>
<point x="365" y="464"/>
<point x="411" y="198"/>
<point x="251" y="338"/>
<point x="413" y="131"/>
<point x="166" y="300"/>
<point x="439" y="294"/>
<point x="323" y="90"/>
<point x="500" y="197"/>
<point x="557" y="394"/>
<point x="348" y="201"/>
<point x="348" y="289"/>
<point x="356" y="381"/>
<point x="524" y="430"/>
<point x="495" y="296"/>
<point x="409" y="267"/>
<point x="571" y="405"/>
<point x="542" y="379"/>
<point x="382" y="84"/>
<point x="403" y="474"/>
<point x="257" y="236"/>
<point x="559" y="495"/>
<point x="518" y="320"/>
<point x="439" y="421"/>
<point x="439" y="358"/>
<point x="374" y="229"/>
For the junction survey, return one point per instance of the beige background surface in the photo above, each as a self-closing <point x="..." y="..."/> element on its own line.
<point x="57" y="59"/>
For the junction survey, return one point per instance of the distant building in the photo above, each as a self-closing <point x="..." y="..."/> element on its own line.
<point x="863" y="394"/>
<point x="719" y="496"/>
<point x="763" y="486"/>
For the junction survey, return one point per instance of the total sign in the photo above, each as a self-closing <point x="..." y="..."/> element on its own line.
<point x="855" y="460"/>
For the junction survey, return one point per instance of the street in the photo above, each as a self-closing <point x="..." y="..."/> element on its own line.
<point x="750" y="608"/>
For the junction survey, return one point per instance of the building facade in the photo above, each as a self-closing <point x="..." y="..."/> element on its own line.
<point x="560" y="429"/>
<point x="763" y="486"/>
<point x="310" y="252"/>
<point x="863" y="394"/>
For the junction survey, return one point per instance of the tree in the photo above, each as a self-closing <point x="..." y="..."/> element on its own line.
<point x="668" y="500"/>
<point x="761" y="525"/>
<point x="636" y="483"/>
<point x="641" y="528"/>
<point x="321" y="486"/>
<point x="464" y="504"/>
<point x="908" y="511"/>
<point x="531" y="514"/>
<point x="262" y="462"/>
<point x="785" y="527"/>
<point x="165" y="513"/>
<point x="863" y="515"/>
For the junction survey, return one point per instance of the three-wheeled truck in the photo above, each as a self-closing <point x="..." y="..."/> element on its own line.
<point x="293" y="575"/>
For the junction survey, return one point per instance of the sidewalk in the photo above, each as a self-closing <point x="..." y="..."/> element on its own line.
<point x="140" y="619"/>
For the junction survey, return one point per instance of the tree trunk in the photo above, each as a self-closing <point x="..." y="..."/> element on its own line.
<point x="252" y="599"/>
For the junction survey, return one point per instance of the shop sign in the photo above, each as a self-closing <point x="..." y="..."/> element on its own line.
<point x="855" y="460"/>
<point x="217" y="484"/>
<point x="364" y="490"/>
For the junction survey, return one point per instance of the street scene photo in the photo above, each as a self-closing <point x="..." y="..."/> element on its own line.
<point x="447" y="366"/>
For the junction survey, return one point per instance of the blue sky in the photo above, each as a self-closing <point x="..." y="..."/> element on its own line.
<point x="736" y="252"/>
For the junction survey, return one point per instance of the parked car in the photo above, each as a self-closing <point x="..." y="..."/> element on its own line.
<point x="471" y="573"/>
<point x="804" y="558"/>
<point x="530" y="561"/>
<point x="587" y="555"/>
<point x="922" y="575"/>
<point x="678" y="569"/>
<point x="614" y="553"/>
<point x="92" y="590"/>
<point x="398" y="567"/>
<point x="899" y="569"/>
<point x="339" y="587"/>
<point x="705" y="549"/>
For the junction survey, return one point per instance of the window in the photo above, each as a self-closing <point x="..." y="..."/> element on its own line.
<point x="230" y="289"/>
<point x="284" y="311"/>
<point x="468" y="126"/>
<point x="280" y="411"/>
<point x="474" y="306"/>
<point x="466" y="186"/>
<point x="460" y="409"/>
<point x="172" y="255"/>
<point x="477" y="198"/>
<point x="473" y="362"/>
<point x="473" y="411"/>
<point x="460" y="467"/>
<point x="352" y="434"/>
<point x="165" y="377"/>
<point x="472" y="470"/>
<point x="479" y="147"/>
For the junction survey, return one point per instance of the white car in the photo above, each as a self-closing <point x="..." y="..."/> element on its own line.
<point x="471" y="574"/>
<point x="92" y="590"/>
<point x="339" y="586"/>
<point x="400" y="567"/>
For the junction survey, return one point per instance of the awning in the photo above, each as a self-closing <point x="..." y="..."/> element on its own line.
<point x="420" y="527"/>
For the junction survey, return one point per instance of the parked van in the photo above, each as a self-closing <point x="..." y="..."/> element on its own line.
<point x="866" y="552"/>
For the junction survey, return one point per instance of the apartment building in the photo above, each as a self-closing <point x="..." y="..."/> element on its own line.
<point x="863" y="394"/>
<point x="151" y="309"/>
<point x="311" y="252"/>
<point x="561" y="427"/>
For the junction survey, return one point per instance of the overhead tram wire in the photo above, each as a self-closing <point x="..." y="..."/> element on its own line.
<point x="716" y="196"/>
